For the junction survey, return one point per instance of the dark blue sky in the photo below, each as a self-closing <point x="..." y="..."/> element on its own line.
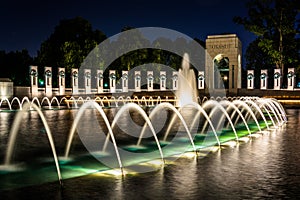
<point x="26" y="24"/>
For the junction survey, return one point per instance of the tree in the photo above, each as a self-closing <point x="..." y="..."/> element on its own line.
<point x="14" y="65"/>
<point x="71" y="41"/>
<point x="257" y="59"/>
<point x="275" y="23"/>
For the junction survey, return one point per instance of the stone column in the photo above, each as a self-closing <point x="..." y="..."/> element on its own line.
<point x="99" y="79"/>
<point x="87" y="81"/>
<point x="137" y="81"/>
<point x="291" y="79"/>
<point x="61" y="80"/>
<point x="125" y="81"/>
<point x="263" y="79"/>
<point x="48" y="81"/>
<point x="112" y="80"/>
<point x="33" y="72"/>
<point x="250" y="79"/>
<point x="277" y="79"/>
<point x="150" y="80"/>
<point x="200" y="80"/>
<point x="175" y="80"/>
<point x="74" y="77"/>
<point x="163" y="80"/>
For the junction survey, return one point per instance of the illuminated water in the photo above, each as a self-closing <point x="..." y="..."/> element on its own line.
<point x="265" y="167"/>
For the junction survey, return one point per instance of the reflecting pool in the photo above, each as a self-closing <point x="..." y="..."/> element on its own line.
<point x="264" y="167"/>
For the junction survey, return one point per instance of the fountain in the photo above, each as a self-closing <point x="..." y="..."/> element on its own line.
<point x="187" y="90"/>
<point x="122" y="132"/>
<point x="236" y="118"/>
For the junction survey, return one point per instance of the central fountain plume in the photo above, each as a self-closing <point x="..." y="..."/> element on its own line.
<point x="187" y="91"/>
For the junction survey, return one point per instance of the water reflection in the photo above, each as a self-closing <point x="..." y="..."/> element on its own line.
<point x="265" y="167"/>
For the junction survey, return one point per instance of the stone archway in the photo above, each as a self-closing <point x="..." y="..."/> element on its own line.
<point x="227" y="47"/>
<point x="221" y="71"/>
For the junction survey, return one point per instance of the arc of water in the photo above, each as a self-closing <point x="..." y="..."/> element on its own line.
<point x="16" y="99"/>
<point x="151" y="100"/>
<point x="76" y="121"/>
<point x="263" y="103"/>
<point x="74" y="100"/>
<point x="171" y="107"/>
<point x="219" y="98"/>
<point x="144" y="99"/>
<point x="35" y="99"/>
<point x="231" y="105"/>
<point x="202" y="111"/>
<point x="204" y="99"/>
<point x="136" y="100"/>
<point x="106" y="99"/>
<point x="48" y="101"/>
<point x="158" y="100"/>
<point x="113" y="99"/>
<point x="87" y="99"/>
<point x="80" y="99"/>
<point x="219" y="106"/>
<point x="98" y="99"/>
<point x="56" y="100"/>
<point x="121" y="98"/>
<point x="62" y="99"/>
<point x="128" y="99"/>
<point x="279" y="109"/>
<point x="145" y="117"/>
<point x="247" y="115"/>
<point x="246" y="106"/>
<point x="23" y="100"/>
<point x="5" y="99"/>
<point x="255" y="111"/>
<point x="170" y="125"/>
<point x="233" y="115"/>
<point x="276" y="112"/>
<point x="14" y="131"/>
<point x="259" y="110"/>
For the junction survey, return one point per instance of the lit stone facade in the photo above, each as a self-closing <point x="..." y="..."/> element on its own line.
<point x="229" y="46"/>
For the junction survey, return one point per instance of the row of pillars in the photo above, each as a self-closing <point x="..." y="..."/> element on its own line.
<point x="99" y="81"/>
<point x="277" y="79"/>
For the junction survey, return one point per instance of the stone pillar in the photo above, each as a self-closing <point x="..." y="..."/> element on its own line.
<point x="250" y="79"/>
<point x="163" y="80"/>
<point x="200" y="80"/>
<point x="175" y="80"/>
<point x="48" y="81"/>
<point x="99" y="79"/>
<point x="150" y="80"/>
<point x="277" y="79"/>
<point x="112" y="80"/>
<point x="137" y="81"/>
<point x="33" y="72"/>
<point x="125" y="81"/>
<point x="87" y="81"/>
<point x="263" y="79"/>
<point x="291" y="79"/>
<point x="61" y="80"/>
<point x="74" y="77"/>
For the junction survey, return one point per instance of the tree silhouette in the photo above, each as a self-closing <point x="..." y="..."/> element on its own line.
<point x="71" y="41"/>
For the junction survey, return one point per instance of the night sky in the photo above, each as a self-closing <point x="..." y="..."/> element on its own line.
<point x="26" y="24"/>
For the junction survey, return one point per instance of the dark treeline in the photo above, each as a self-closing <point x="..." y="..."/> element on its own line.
<point x="14" y="65"/>
<point x="276" y="24"/>
<point x="73" y="40"/>
<point x="277" y="45"/>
